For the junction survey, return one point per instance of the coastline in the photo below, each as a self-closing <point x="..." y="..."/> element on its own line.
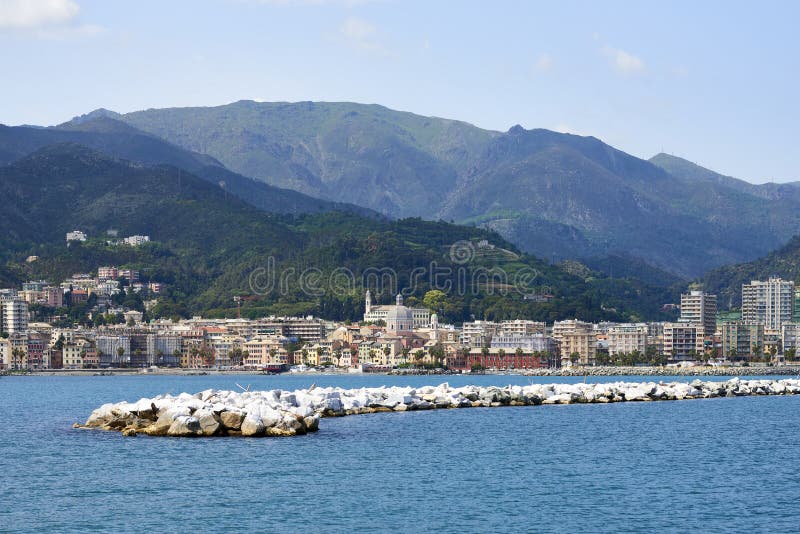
<point x="783" y="370"/>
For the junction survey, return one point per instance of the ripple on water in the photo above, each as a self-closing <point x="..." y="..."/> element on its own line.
<point x="716" y="464"/>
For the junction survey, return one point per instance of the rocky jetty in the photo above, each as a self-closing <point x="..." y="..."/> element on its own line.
<point x="289" y="413"/>
<point x="699" y="370"/>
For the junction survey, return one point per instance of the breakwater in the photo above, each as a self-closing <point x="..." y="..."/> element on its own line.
<point x="612" y="370"/>
<point x="289" y="413"/>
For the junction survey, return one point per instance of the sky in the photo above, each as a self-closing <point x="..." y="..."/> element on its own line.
<point x="714" y="82"/>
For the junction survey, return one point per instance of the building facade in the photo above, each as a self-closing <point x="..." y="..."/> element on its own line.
<point x="700" y="308"/>
<point x="770" y="303"/>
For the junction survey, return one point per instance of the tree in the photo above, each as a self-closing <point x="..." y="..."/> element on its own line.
<point x="17" y="358"/>
<point x="435" y="300"/>
<point x="574" y="358"/>
<point x="120" y="354"/>
<point x="177" y="355"/>
<point x="207" y="355"/>
<point x="790" y="354"/>
<point x="236" y="356"/>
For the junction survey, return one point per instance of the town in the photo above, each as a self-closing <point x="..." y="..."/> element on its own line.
<point x="390" y="337"/>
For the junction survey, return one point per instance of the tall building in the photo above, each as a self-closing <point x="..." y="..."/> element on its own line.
<point x="683" y="341"/>
<point x="15" y="316"/>
<point x="700" y="308"/>
<point x="740" y="339"/>
<point x="770" y="303"/>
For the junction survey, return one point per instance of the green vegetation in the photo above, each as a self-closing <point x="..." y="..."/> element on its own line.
<point x="727" y="281"/>
<point x="549" y="193"/>
<point x="207" y="245"/>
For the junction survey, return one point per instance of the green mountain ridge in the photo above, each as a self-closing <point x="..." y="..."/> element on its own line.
<point x="552" y="194"/>
<point x="727" y="281"/>
<point x="102" y="132"/>
<point x="207" y="243"/>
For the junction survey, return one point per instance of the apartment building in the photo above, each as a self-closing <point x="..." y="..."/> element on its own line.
<point x="700" y="308"/>
<point x="770" y="303"/>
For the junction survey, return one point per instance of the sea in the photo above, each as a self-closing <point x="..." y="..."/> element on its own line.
<point x="712" y="465"/>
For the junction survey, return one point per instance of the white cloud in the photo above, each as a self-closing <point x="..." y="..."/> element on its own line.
<point x="623" y="61"/>
<point x="356" y="29"/>
<point x="360" y="34"/>
<point x="544" y="63"/>
<point x="31" y="14"/>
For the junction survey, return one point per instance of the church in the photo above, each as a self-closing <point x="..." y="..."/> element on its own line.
<point x="398" y="318"/>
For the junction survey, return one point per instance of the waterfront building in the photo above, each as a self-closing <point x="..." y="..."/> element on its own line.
<point x="5" y="354"/>
<point x="494" y="359"/>
<point x="163" y="349"/>
<point x="700" y="308"/>
<point x="790" y="337"/>
<point x="72" y="355"/>
<point x="683" y="341"/>
<point x="528" y="343"/>
<point x="770" y="303"/>
<point x="741" y="339"/>
<point x="575" y="337"/>
<point x="627" y="338"/>
<point x="113" y="350"/>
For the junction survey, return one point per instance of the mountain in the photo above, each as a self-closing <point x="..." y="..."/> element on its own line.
<point x="727" y="281"/>
<point x="206" y="245"/>
<point x="694" y="173"/>
<point x="101" y="131"/>
<point x="397" y="163"/>
<point x="552" y="194"/>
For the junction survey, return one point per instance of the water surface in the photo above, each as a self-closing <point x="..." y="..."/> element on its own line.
<point x="712" y="465"/>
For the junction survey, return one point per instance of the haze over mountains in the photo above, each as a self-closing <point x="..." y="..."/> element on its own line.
<point x="552" y="194"/>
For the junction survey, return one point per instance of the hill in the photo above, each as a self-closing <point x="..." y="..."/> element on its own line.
<point x="727" y="281"/>
<point x="108" y="135"/>
<point x="551" y="194"/>
<point x="207" y="244"/>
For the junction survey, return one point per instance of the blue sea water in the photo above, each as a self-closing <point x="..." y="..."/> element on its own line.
<point x="728" y="464"/>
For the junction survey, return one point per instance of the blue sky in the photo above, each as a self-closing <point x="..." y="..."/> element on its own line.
<point x="714" y="82"/>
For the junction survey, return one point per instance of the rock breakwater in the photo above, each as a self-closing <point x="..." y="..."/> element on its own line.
<point x="289" y="413"/>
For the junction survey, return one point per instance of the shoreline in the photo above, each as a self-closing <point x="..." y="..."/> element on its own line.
<point x="784" y="370"/>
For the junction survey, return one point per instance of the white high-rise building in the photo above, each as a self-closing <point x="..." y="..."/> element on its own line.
<point x="699" y="308"/>
<point x="15" y="316"/>
<point x="770" y="303"/>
